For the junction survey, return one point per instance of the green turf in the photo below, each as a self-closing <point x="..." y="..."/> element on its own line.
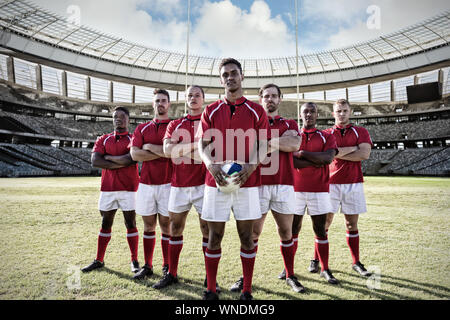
<point x="49" y="227"/>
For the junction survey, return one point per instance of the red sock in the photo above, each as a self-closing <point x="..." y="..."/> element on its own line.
<point x="287" y="252"/>
<point x="322" y="247"/>
<point x="295" y="239"/>
<point x="175" y="246"/>
<point x="165" y="248"/>
<point x="353" y="244"/>
<point x="212" y="258"/>
<point x="149" y="247"/>
<point x="133" y="242"/>
<point x="103" y="239"/>
<point x="248" y="262"/>
<point x="316" y="254"/>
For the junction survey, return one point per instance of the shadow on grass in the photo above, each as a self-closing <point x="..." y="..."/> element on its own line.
<point x="189" y="289"/>
<point x="175" y="290"/>
<point x="412" y="285"/>
<point x="196" y="288"/>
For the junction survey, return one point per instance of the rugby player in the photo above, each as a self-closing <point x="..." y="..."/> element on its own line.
<point x="152" y="196"/>
<point x="231" y="130"/>
<point x="311" y="183"/>
<point x="277" y="190"/>
<point x="346" y="177"/>
<point x="119" y="182"/>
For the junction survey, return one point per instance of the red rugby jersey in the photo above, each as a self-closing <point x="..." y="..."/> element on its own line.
<point x="285" y="174"/>
<point x="312" y="179"/>
<point x="186" y="174"/>
<point x="157" y="171"/>
<point x="343" y="171"/>
<point x="235" y="132"/>
<point x="123" y="179"/>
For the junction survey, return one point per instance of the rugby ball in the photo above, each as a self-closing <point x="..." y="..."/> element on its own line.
<point x="230" y="169"/>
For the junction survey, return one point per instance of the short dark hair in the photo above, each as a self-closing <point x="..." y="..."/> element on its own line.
<point x="342" y="102"/>
<point x="228" y="61"/>
<point x="269" y="85"/>
<point x="123" y="109"/>
<point x="201" y="89"/>
<point x="310" y="104"/>
<point x="161" y="91"/>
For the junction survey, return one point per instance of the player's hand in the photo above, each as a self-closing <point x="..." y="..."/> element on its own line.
<point x="245" y="173"/>
<point x="297" y="154"/>
<point x="217" y="173"/>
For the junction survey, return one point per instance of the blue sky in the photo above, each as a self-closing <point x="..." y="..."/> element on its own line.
<point x="248" y="28"/>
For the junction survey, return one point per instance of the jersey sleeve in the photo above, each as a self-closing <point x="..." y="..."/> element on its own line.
<point x="138" y="139"/>
<point x="170" y="129"/>
<point x="99" y="146"/>
<point x="205" y="124"/>
<point x="364" y="136"/>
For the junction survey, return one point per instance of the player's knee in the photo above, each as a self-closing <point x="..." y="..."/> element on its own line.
<point x="107" y="225"/>
<point x="215" y="239"/>
<point x="256" y="233"/>
<point x="320" y="232"/>
<point x="130" y="223"/>
<point x="149" y="225"/>
<point x="285" y="233"/>
<point x="176" y="229"/>
<point x="107" y="222"/>
<point x="204" y="230"/>
<point x="246" y="240"/>
<point x="351" y="226"/>
<point x="319" y="225"/>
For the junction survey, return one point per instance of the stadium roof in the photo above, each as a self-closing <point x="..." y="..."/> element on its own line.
<point x="38" y="35"/>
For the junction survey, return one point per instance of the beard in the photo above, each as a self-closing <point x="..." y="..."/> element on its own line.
<point x="161" y="111"/>
<point x="233" y="87"/>
<point x="272" y="108"/>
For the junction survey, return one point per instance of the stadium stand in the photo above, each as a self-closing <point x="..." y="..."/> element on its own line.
<point x="38" y="160"/>
<point x="409" y="130"/>
<point x="40" y="140"/>
<point x="419" y="161"/>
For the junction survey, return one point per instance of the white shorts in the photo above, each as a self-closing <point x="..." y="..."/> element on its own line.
<point x="350" y="197"/>
<point x="152" y="199"/>
<point x="113" y="200"/>
<point x="244" y="202"/>
<point x="317" y="203"/>
<point x="181" y="199"/>
<point x="280" y="198"/>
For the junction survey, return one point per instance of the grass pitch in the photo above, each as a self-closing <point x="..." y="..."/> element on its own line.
<point x="49" y="228"/>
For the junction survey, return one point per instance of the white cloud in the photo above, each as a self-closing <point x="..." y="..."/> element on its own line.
<point x="224" y="29"/>
<point x="345" y="23"/>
